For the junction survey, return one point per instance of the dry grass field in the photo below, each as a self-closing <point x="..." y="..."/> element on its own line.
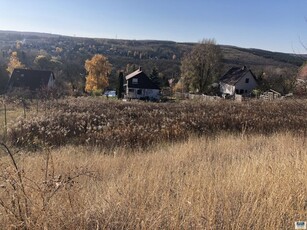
<point x="112" y="124"/>
<point x="155" y="166"/>
<point x="222" y="182"/>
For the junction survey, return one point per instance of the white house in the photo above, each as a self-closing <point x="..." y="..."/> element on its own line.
<point x="140" y="86"/>
<point x="238" y="81"/>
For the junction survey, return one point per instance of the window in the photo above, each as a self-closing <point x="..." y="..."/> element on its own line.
<point x="246" y="80"/>
<point x="135" y="81"/>
<point x="241" y="91"/>
<point x="139" y="91"/>
<point x="131" y="90"/>
<point x="237" y="91"/>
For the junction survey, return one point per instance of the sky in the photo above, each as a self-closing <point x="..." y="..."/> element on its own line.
<point x="276" y="25"/>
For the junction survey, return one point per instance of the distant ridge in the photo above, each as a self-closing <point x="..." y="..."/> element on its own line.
<point x="44" y="34"/>
<point x="29" y="33"/>
<point x="164" y="55"/>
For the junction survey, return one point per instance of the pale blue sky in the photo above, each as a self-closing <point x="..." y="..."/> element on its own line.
<point x="277" y="25"/>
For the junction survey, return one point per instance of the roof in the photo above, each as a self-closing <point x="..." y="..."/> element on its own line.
<point x="31" y="79"/>
<point x="272" y="91"/>
<point x="234" y="75"/>
<point x="133" y="74"/>
<point x="144" y="81"/>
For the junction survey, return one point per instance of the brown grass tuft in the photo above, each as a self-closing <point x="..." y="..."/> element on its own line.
<point x="222" y="182"/>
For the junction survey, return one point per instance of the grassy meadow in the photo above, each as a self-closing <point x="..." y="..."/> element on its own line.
<point x="219" y="166"/>
<point x="226" y="182"/>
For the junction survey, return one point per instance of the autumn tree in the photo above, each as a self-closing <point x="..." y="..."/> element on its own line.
<point x="42" y="62"/>
<point x="46" y="62"/>
<point x="302" y="73"/>
<point x="282" y="80"/>
<point x="98" y="69"/>
<point x="14" y="63"/>
<point x="301" y="87"/>
<point x="201" y="67"/>
<point x="178" y="86"/>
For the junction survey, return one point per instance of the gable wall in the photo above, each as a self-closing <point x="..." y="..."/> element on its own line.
<point x="144" y="88"/>
<point x="242" y="85"/>
<point x="143" y="82"/>
<point x="51" y="81"/>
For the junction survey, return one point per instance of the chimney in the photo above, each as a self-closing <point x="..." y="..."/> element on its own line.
<point x="244" y="67"/>
<point x="140" y="68"/>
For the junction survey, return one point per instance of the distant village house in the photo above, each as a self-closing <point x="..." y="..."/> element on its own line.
<point x="238" y="81"/>
<point x="33" y="80"/>
<point x="140" y="86"/>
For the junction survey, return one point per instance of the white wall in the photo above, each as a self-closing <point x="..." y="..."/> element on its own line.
<point x="246" y="87"/>
<point x="227" y="89"/>
<point x="150" y="93"/>
<point x="50" y="82"/>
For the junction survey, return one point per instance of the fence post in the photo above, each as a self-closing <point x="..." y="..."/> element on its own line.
<point x="5" y="120"/>
<point x="24" y="108"/>
<point x="36" y="105"/>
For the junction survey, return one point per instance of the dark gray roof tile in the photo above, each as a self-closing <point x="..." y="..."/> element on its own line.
<point x="234" y="75"/>
<point x="30" y="79"/>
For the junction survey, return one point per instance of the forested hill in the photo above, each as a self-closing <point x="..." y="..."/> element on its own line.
<point x="164" y="55"/>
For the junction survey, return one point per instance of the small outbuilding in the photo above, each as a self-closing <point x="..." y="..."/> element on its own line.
<point x="140" y="86"/>
<point x="33" y="80"/>
<point x="238" y="80"/>
<point x="270" y="95"/>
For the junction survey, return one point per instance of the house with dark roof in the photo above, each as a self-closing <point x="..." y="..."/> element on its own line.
<point x="32" y="80"/>
<point x="140" y="86"/>
<point x="238" y="80"/>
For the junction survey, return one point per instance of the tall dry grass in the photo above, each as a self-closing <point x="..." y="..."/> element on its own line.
<point x="112" y="124"/>
<point x="222" y="182"/>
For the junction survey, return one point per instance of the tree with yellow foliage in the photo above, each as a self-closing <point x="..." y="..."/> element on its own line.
<point x="14" y="63"/>
<point x="98" y="69"/>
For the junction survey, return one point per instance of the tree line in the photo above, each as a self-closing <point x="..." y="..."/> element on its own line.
<point x="200" y="68"/>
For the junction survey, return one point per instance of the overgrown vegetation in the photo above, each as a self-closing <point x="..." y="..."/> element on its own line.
<point x="222" y="182"/>
<point x="236" y="166"/>
<point x="24" y="201"/>
<point x="111" y="124"/>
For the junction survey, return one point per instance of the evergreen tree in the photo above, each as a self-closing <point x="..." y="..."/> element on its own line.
<point x="154" y="76"/>
<point x="120" y="88"/>
<point x="4" y="78"/>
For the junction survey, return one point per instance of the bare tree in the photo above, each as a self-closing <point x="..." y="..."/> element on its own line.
<point x="282" y="80"/>
<point x="201" y="67"/>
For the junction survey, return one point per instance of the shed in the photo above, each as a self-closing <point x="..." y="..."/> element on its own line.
<point x="270" y="95"/>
